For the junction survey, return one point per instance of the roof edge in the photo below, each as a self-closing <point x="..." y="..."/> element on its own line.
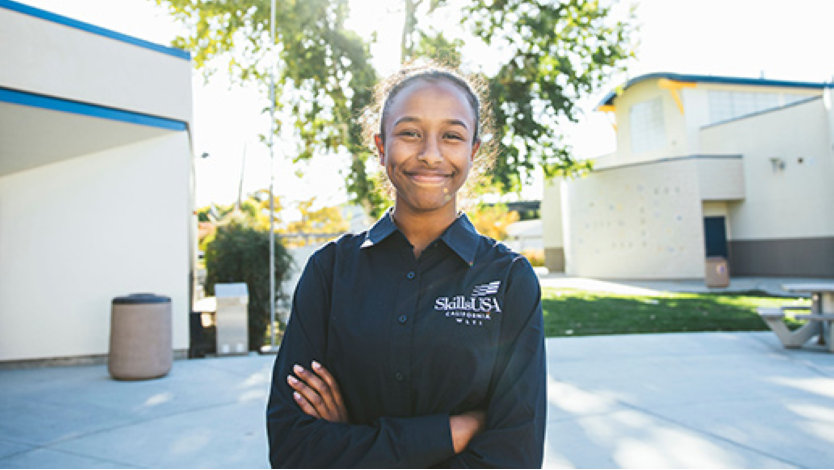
<point x="90" y="28"/>
<point x="18" y="97"/>
<point x="609" y="98"/>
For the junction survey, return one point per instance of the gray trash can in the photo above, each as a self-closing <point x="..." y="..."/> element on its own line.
<point x="140" y="337"/>
<point x="232" y="318"/>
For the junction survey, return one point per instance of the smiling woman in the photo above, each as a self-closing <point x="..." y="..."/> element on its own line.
<point x="418" y="343"/>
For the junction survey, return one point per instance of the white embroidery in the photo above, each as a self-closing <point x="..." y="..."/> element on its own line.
<point x="486" y="289"/>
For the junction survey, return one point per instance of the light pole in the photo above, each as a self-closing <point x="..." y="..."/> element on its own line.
<point x="273" y="346"/>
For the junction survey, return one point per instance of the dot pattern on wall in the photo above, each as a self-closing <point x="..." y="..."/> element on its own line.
<point x="635" y="222"/>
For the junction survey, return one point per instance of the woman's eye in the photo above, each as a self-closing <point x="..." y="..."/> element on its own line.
<point x="412" y="134"/>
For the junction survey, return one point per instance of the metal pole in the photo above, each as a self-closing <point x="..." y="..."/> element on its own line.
<point x="271" y="50"/>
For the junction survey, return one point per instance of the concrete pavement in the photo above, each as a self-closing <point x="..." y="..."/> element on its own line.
<point x="707" y="400"/>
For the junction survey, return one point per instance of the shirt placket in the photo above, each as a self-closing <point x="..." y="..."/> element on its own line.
<point x="401" y="328"/>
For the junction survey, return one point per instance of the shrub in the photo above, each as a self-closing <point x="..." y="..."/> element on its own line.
<point x="534" y="256"/>
<point x="240" y="253"/>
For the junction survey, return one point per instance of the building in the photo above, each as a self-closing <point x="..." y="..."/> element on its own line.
<point x="95" y="182"/>
<point x="705" y="166"/>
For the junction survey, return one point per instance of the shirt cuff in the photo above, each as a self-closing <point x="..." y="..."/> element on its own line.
<point x="428" y="438"/>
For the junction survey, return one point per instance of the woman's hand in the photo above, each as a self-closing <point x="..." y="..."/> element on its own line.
<point x="317" y="393"/>
<point x="464" y="427"/>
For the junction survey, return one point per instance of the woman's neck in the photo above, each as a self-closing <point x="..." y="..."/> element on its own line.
<point x="422" y="228"/>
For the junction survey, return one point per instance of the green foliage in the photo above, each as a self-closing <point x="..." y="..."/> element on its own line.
<point x="553" y="53"/>
<point x="323" y="75"/>
<point x="240" y="253"/>
<point x="571" y="312"/>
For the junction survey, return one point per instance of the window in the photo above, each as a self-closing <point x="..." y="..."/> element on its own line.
<point x="647" y="128"/>
<point x="726" y="105"/>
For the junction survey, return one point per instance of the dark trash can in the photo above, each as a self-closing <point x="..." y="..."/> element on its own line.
<point x="140" y="337"/>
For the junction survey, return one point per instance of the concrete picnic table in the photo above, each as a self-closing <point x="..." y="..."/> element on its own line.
<point x="819" y="319"/>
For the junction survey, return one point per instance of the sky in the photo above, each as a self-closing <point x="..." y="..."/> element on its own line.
<point x="777" y="39"/>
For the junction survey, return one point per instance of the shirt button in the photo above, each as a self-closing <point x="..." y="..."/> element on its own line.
<point x="402" y="319"/>
<point x="399" y="376"/>
<point x="410" y="275"/>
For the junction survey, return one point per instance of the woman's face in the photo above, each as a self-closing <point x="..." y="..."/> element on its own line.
<point x="428" y="146"/>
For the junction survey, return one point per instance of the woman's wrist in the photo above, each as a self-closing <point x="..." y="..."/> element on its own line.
<point x="464" y="427"/>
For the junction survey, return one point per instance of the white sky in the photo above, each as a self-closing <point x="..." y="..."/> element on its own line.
<point x="782" y="39"/>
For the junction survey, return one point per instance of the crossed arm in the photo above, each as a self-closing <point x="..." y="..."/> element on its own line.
<point x="317" y="394"/>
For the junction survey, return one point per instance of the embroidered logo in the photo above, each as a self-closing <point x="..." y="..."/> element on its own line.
<point x="486" y="289"/>
<point x="473" y="310"/>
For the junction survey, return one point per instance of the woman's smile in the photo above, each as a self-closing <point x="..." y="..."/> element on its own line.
<point x="430" y="178"/>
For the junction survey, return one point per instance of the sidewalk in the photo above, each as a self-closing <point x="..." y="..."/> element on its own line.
<point x="664" y="400"/>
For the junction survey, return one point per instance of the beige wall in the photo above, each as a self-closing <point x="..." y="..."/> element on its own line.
<point x="551" y="214"/>
<point x="70" y="63"/>
<point x="793" y="202"/>
<point x="639" y="222"/>
<point x="676" y="139"/>
<point x="77" y="233"/>
<point x="720" y="178"/>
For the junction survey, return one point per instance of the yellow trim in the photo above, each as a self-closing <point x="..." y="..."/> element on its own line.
<point x="673" y="87"/>
<point x="607" y="107"/>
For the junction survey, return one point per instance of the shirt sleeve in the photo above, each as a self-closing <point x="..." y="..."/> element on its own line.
<point x="299" y="440"/>
<point x="517" y="407"/>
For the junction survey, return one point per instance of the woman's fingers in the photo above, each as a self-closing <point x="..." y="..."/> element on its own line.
<point x="305" y="405"/>
<point x="319" y="386"/>
<point x="308" y="395"/>
<point x="328" y="378"/>
<point x="321" y="392"/>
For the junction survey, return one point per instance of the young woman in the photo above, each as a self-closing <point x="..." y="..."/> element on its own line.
<point x="418" y="343"/>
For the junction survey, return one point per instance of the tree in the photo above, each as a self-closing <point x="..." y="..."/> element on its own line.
<point x="324" y="77"/>
<point x="554" y="53"/>
<point x="240" y="253"/>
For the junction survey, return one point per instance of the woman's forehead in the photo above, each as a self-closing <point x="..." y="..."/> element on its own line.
<point x="431" y="98"/>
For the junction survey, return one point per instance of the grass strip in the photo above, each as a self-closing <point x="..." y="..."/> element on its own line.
<point x="574" y="312"/>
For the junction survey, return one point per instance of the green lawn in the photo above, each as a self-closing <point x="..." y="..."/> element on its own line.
<point x="572" y="312"/>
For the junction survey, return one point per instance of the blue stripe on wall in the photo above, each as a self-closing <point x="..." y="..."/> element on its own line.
<point x="55" y="18"/>
<point x="75" y="107"/>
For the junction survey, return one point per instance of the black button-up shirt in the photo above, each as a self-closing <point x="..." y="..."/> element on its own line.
<point x="412" y="341"/>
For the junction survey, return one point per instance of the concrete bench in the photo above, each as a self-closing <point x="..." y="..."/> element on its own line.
<point x="816" y="317"/>
<point x="774" y="318"/>
<point x="786" y="308"/>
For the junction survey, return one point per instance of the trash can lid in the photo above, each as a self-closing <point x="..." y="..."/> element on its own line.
<point x="142" y="298"/>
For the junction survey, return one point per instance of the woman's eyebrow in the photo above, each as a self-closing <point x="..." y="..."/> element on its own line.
<point x="455" y="122"/>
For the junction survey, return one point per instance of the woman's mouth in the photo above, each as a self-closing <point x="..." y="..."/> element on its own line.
<point x="428" y="177"/>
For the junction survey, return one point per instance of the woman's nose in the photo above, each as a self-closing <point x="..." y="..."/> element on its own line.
<point x="430" y="153"/>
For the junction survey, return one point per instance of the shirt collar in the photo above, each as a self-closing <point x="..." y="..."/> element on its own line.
<point x="383" y="227"/>
<point x="461" y="236"/>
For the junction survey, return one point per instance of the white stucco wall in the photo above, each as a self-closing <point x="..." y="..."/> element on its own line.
<point x="551" y="214"/>
<point x="70" y="63"/>
<point x="793" y="202"/>
<point x="638" y="222"/>
<point x="76" y="233"/>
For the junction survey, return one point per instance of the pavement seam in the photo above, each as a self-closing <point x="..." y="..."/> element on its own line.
<point x="50" y="444"/>
<point x="784" y="352"/>
<point x="64" y="451"/>
<point x="708" y="433"/>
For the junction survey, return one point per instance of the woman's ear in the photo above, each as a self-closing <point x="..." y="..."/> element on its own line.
<point x="475" y="147"/>
<point x="380" y="147"/>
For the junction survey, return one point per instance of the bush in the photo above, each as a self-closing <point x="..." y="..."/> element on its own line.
<point x="535" y="257"/>
<point x="240" y="253"/>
